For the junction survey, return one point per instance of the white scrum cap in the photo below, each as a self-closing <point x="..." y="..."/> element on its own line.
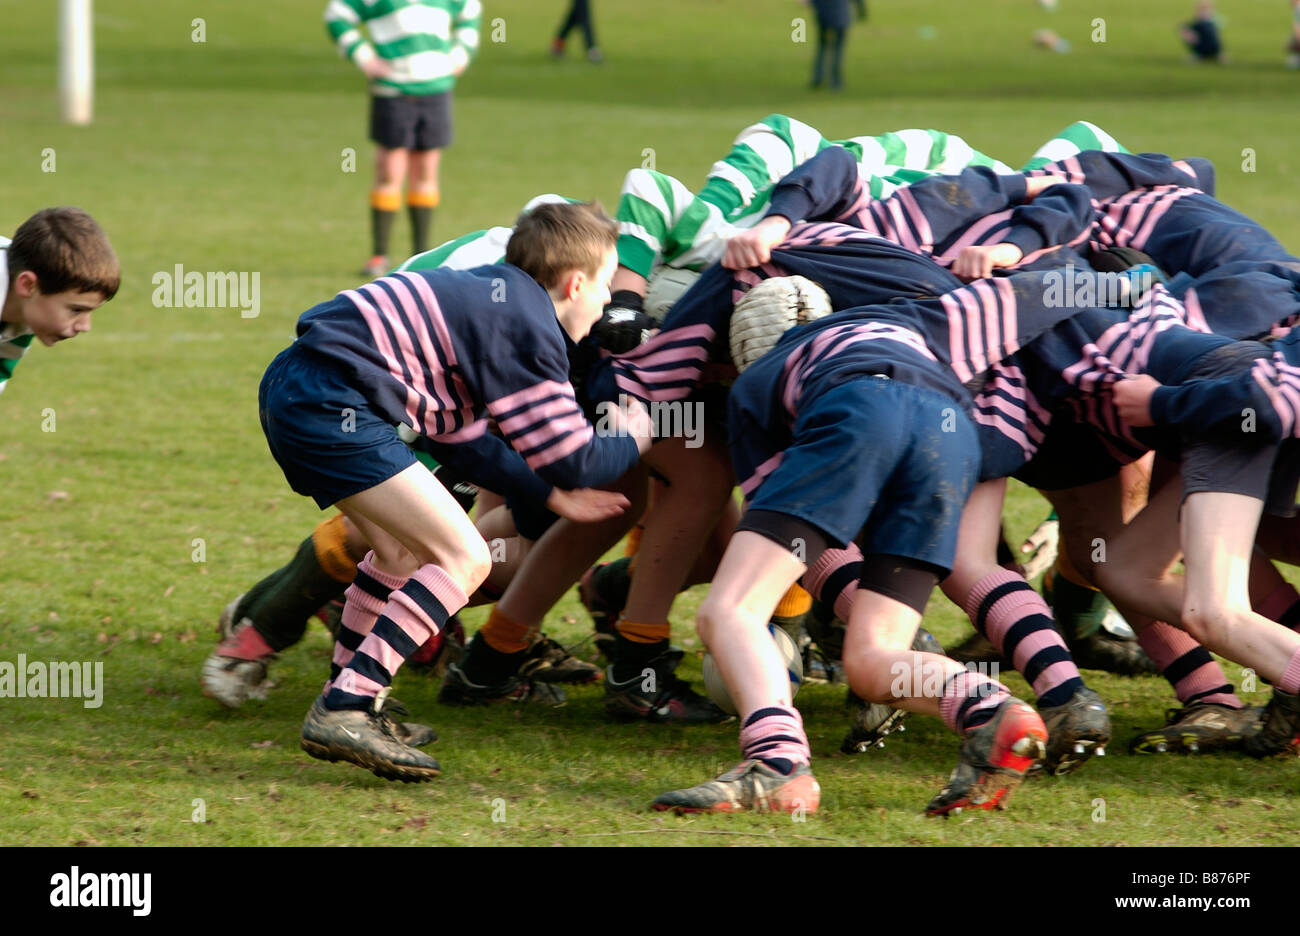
<point x="771" y="309"/>
<point x="667" y="285"/>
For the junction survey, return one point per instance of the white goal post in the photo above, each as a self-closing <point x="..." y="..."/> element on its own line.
<point x="76" y="61"/>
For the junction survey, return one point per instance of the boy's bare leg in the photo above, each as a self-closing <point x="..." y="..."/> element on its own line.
<point x="732" y="621"/>
<point x="411" y="521"/>
<point x="686" y="512"/>
<point x="564" y="552"/>
<point x="1016" y="620"/>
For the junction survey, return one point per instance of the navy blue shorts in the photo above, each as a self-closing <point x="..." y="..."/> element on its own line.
<point x="324" y="435"/>
<point x="1072" y="454"/>
<point x="891" y="461"/>
<point x="411" y="121"/>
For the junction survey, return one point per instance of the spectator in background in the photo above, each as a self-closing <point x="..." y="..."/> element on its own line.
<point x="416" y="51"/>
<point x="833" y="20"/>
<point x="579" y="15"/>
<point x="1202" y="35"/>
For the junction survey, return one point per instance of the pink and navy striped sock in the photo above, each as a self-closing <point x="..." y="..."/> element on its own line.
<point x="776" y="737"/>
<point x="1188" y="666"/>
<point x="833" y="579"/>
<point x="363" y="601"/>
<point x="413" y="614"/>
<point x="1016" y="620"/>
<point x="970" y="699"/>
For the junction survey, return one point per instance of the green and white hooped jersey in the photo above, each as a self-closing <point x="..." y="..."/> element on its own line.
<point x="424" y="42"/>
<point x="1073" y="140"/>
<point x="14" y="340"/>
<point x="661" y="221"/>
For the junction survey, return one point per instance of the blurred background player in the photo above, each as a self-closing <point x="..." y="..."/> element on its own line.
<point x="1202" y="35"/>
<point x="416" y="51"/>
<point x="579" y="17"/>
<point x="833" y="21"/>
<point x="58" y="268"/>
<point x="1293" y="46"/>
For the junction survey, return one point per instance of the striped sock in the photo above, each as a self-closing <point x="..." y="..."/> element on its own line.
<point x="776" y="737"/>
<point x="833" y="579"/>
<point x="1188" y="666"/>
<point x="413" y="614"/>
<point x="1016" y="620"/>
<point x="363" y="601"/>
<point x="970" y="699"/>
<point x="1290" y="680"/>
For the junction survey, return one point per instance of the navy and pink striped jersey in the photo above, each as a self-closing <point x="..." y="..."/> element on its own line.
<point x="1263" y="402"/>
<point x="1066" y="372"/>
<point x="1236" y="277"/>
<point x="950" y="344"/>
<point x="441" y="351"/>
<point x="938" y="216"/>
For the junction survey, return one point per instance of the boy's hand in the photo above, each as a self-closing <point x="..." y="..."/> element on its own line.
<point x="978" y="262"/>
<point x="1133" y="399"/>
<point x="376" y="69"/>
<point x="1040" y="547"/>
<point x="753" y="248"/>
<point x="1036" y="184"/>
<point x="587" y="505"/>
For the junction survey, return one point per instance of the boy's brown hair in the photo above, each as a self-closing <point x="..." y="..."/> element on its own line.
<point x="66" y="250"/>
<point x="553" y="239"/>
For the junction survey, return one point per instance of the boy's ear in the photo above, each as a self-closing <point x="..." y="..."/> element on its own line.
<point x="572" y="283"/>
<point x="26" y="284"/>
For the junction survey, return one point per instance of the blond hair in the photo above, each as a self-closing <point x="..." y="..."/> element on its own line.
<point x="554" y="239"/>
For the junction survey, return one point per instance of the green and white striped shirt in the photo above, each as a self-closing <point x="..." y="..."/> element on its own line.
<point x="663" y="222"/>
<point x="425" y="42"/>
<point x="14" y="338"/>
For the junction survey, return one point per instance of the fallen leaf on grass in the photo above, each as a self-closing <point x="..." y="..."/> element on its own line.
<point x="415" y="822"/>
<point x="53" y="496"/>
<point x="263" y="744"/>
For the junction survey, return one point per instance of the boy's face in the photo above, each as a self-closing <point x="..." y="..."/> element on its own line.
<point x="588" y="297"/>
<point x="55" y="317"/>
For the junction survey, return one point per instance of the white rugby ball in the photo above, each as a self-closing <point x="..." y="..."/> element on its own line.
<point x="717" y="688"/>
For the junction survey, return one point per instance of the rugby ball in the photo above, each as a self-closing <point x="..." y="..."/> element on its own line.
<point x="717" y="688"/>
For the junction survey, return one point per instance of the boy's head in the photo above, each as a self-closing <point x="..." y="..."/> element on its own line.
<point x="569" y="250"/>
<point x="61" y="268"/>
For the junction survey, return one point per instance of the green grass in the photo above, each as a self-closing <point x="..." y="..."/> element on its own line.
<point x="226" y="156"/>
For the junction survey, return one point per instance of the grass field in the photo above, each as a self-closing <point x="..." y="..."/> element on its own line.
<point x="227" y="155"/>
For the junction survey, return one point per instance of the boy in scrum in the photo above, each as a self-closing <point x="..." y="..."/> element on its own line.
<point x="440" y="351"/>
